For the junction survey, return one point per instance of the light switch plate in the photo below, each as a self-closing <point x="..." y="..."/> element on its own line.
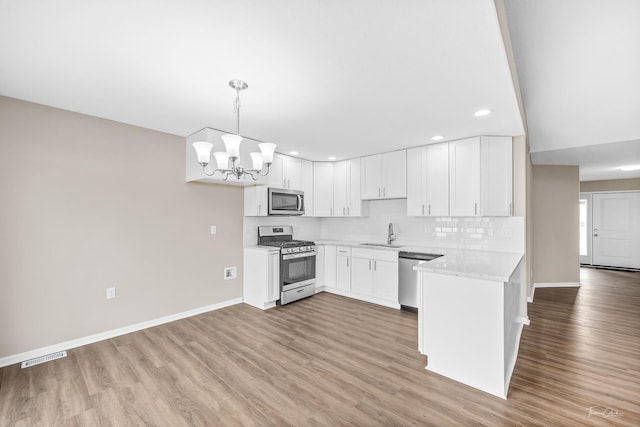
<point x="214" y="229"/>
<point x="111" y="293"/>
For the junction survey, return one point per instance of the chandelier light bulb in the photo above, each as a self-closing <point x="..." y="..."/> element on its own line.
<point x="203" y="151"/>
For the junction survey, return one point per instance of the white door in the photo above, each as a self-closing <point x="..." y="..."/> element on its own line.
<point x="371" y="184"/>
<point x="437" y="177"/>
<point x="616" y="229"/>
<point x="585" y="228"/>
<point x="416" y="181"/>
<point x="340" y="190"/>
<point x="394" y="174"/>
<point x="362" y="276"/>
<point x="464" y="177"/>
<point x="385" y="280"/>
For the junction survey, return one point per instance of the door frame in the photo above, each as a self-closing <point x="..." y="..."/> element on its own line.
<point x="588" y="259"/>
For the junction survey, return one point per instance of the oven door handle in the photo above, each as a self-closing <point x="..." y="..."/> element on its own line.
<point x="298" y="255"/>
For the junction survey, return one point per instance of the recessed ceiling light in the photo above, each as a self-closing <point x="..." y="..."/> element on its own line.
<point x="437" y="138"/>
<point x="331" y="158"/>
<point x="630" y="168"/>
<point x="293" y="153"/>
<point x="482" y="113"/>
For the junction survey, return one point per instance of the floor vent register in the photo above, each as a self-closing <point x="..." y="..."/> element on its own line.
<point x="43" y="359"/>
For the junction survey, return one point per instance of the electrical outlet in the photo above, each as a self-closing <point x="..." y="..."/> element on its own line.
<point x="214" y="229"/>
<point x="111" y="293"/>
<point x="230" y="273"/>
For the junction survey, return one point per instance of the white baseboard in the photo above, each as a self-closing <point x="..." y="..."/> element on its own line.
<point x="366" y="298"/>
<point x="78" y="342"/>
<point x="557" y="285"/>
<point x="551" y="285"/>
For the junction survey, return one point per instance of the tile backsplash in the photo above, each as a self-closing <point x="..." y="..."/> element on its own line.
<point x="503" y="234"/>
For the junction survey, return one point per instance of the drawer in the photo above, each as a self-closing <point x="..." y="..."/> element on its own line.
<point x="343" y="250"/>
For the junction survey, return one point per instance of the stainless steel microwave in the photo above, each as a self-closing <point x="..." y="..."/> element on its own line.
<point x="286" y="202"/>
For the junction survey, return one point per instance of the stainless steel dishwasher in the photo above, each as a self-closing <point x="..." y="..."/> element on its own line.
<point x="408" y="278"/>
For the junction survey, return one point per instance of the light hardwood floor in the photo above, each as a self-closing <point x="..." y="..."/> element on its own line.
<point x="329" y="360"/>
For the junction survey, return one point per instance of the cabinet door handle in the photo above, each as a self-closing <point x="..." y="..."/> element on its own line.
<point x="344" y="211"/>
<point x="476" y="209"/>
<point x="259" y="208"/>
<point x="347" y="210"/>
<point x="347" y="262"/>
<point x="384" y="192"/>
<point x="429" y="208"/>
<point x="331" y="211"/>
<point x="378" y="192"/>
<point x="369" y="264"/>
<point x="375" y="265"/>
<point x="422" y="209"/>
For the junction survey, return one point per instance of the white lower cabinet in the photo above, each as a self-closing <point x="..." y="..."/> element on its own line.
<point x="374" y="275"/>
<point x="261" y="286"/>
<point x="343" y="268"/>
<point x="329" y="266"/>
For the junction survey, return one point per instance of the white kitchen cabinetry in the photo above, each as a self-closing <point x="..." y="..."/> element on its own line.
<point x="343" y="268"/>
<point x="255" y="201"/>
<point x="384" y="176"/>
<point x="323" y="189"/>
<point x="464" y="177"/>
<point x="329" y="266"/>
<point x="346" y="188"/>
<point x="496" y="183"/>
<point x="285" y="172"/>
<point x="374" y="275"/>
<point x="306" y="173"/>
<point x="261" y="287"/>
<point x="428" y="180"/>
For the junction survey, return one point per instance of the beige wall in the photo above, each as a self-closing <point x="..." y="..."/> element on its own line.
<point x="610" y="185"/>
<point x="555" y="224"/>
<point x="89" y="203"/>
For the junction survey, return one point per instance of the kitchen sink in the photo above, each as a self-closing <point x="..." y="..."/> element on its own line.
<point x="381" y="244"/>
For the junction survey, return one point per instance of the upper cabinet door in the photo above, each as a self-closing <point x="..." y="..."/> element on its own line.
<point x="394" y="175"/>
<point x="276" y="172"/>
<point x="497" y="176"/>
<point x="322" y="189"/>
<point x="306" y="168"/>
<point x="371" y="183"/>
<point x="417" y="181"/>
<point x="354" y="205"/>
<point x="437" y="180"/>
<point x="464" y="177"/>
<point x="293" y="173"/>
<point x="340" y="188"/>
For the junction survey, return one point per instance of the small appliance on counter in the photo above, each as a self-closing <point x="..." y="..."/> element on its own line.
<point x="297" y="262"/>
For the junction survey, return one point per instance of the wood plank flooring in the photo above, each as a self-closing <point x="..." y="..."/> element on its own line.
<point x="329" y="361"/>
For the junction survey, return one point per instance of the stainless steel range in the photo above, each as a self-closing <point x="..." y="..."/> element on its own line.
<point x="297" y="262"/>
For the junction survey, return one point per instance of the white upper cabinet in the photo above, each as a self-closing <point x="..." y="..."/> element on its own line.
<point x="496" y="165"/>
<point x="323" y="189"/>
<point x="384" y="176"/>
<point x="437" y="175"/>
<point x="346" y="188"/>
<point x="464" y="177"/>
<point x="306" y="169"/>
<point x="286" y="172"/>
<point x="255" y="201"/>
<point x="417" y="181"/>
<point x="428" y="180"/>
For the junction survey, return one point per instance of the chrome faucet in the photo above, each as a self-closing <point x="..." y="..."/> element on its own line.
<point x="390" y="236"/>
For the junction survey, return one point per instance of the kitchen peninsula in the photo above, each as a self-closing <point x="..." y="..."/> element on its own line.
<point x="471" y="317"/>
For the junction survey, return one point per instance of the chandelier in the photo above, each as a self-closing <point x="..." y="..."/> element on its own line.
<point x="232" y="147"/>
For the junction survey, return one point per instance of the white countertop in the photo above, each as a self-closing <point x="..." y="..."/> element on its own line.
<point x="487" y="265"/>
<point x="494" y="266"/>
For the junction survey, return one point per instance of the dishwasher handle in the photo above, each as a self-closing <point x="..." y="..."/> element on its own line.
<point x="418" y="256"/>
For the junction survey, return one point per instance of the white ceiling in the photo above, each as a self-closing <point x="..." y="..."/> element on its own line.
<point x="578" y="63"/>
<point x="326" y="77"/>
